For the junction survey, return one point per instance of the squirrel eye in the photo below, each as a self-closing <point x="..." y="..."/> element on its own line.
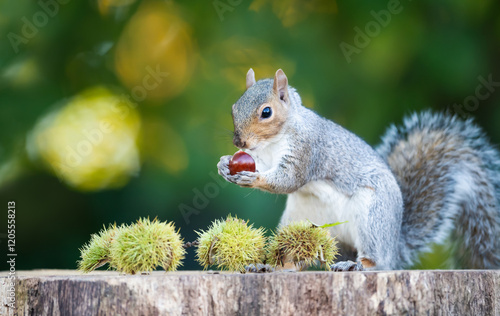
<point x="266" y="112"/>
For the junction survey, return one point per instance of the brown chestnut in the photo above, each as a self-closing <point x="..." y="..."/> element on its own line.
<point x="241" y="161"/>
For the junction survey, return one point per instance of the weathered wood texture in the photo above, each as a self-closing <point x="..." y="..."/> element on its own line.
<point x="59" y="292"/>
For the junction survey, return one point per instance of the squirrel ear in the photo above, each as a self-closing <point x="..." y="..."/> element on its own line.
<point x="281" y="85"/>
<point x="250" y="78"/>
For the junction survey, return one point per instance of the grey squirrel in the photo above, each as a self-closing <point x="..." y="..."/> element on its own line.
<point x="435" y="177"/>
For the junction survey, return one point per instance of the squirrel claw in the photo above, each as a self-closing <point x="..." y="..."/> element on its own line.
<point x="245" y="178"/>
<point x="344" y="266"/>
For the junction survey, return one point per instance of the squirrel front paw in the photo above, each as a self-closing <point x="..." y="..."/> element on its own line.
<point x="347" y="266"/>
<point x="243" y="178"/>
<point x="223" y="167"/>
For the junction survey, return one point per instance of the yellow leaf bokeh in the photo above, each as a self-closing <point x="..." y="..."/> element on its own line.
<point x="91" y="142"/>
<point x="154" y="56"/>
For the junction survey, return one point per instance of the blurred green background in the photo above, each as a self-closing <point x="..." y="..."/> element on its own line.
<point x="111" y="110"/>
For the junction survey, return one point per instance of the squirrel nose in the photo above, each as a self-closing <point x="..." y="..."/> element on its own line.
<point x="238" y="142"/>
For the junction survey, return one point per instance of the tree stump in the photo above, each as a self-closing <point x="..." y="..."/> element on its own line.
<point x="64" y="292"/>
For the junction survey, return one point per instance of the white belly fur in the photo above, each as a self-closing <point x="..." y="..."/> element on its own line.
<point x="269" y="152"/>
<point x="321" y="203"/>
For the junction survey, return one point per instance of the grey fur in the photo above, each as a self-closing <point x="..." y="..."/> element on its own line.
<point x="459" y="194"/>
<point x="390" y="235"/>
<point x="322" y="150"/>
<point x="246" y="107"/>
<point x="347" y="266"/>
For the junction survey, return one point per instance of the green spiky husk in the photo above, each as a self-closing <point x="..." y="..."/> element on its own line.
<point x="303" y="244"/>
<point x="96" y="252"/>
<point x="143" y="246"/>
<point x="231" y="244"/>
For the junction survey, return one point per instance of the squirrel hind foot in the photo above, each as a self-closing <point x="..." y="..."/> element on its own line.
<point x="259" y="268"/>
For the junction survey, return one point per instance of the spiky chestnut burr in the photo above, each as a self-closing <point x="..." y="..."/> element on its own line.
<point x="230" y="244"/>
<point x="143" y="246"/>
<point x="303" y="244"/>
<point x="95" y="253"/>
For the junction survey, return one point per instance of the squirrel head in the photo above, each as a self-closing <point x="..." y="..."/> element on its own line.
<point x="261" y="111"/>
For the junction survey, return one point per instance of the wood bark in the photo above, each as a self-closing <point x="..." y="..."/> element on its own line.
<point x="63" y="292"/>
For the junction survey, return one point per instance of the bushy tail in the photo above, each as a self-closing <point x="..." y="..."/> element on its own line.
<point x="449" y="175"/>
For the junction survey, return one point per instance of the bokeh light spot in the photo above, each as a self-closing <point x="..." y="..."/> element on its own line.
<point x="91" y="142"/>
<point x="155" y="53"/>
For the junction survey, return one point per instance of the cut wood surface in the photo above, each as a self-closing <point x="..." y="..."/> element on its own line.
<point x="65" y="292"/>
